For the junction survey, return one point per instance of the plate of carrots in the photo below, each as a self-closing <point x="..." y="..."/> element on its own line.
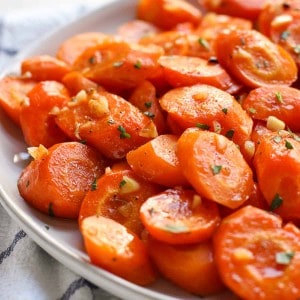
<point x="153" y="147"/>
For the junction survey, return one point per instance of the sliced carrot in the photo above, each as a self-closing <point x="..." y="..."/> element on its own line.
<point x="118" y="195"/>
<point x="37" y="123"/>
<point x="259" y="130"/>
<point x="58" y="178"/>
<point x="187" y="70"/>
<point x="45" y="67"/>
<point x="74" y="46"/>
<point x="13" y="95"/>
<point x="208" y="108"/>
<point x="167" y="14"/>
<point x="191" y="267"/>
<point x="215" y="167"/>
<point x="157" y="161"/>
<point x="257" y="257"/>
<point x="278" y="101"/>
<point x="180" y="216"/>
<point x="144" y="98"/>
<point x="113" y="247"/>
<point x="106" y="121"/>
<point x="277" y="164"/>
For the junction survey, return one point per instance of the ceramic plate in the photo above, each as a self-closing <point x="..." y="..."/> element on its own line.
<point x="61" y="238"/>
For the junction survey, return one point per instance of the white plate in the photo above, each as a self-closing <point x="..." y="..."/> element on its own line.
<point x="61" y="238"/>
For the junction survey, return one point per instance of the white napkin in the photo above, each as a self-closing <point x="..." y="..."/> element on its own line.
<point x="26" y="271"/>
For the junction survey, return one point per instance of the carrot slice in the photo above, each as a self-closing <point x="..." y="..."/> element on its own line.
<point x="280" y="101"/>
<point x="37" y="123"/>
<point x="254" y="60"/>
<point x="118" y="195"/>
<point x="45" y="67"/>
<point x="180" y="216"/>
<point x="58" y="178"/>
<point x="13" y="95"/>
<point x="215" y="167"/>
<point x="157" y="161"/>
<point x="208" y="108"/>
<point x="116" y="249"/>
<point x="192" y="267"/>
<point x="258" y="258"/>
<point x="277" y="164"/>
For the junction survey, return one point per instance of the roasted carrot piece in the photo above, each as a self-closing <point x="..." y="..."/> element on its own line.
<point x="188" y="70"/>
<point x="106" y="121"/>
<point x="45" y="67"/>
<point x="116" y="249"/>
<point x="180" y="216"/>
<point x="209" y="108"/>
<point x="58" y="178"/>
<point x="74" y="46"/>
<point x="215" y="167"/>
<point x="257" y="257"/>
<point x="191" y="267"/>
<point x="118" y="195"/>
<point x="252" y="59"/>
<point x="277" y="165"/>
<point x="167" y="14"/>
<point x="157" y="161"/>
<point x="144" y="98"/>
<point x="13" y="95"/>
<point x="280" y="101"/>
<point x="37" y="122"/>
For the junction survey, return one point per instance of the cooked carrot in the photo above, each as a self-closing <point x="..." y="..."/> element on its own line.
<point x="118" y="195"/>
<point x="257" y="257"/>
<point x="157" y="161"/>
<point x="74" y="46"/>
<point x="37" y="122"/>
<point x="58" y="178"/>
<point x="180" y="216"/>
<point x="45" y="67"/>
<point x="258" y="132"/>
<point x="277" y="165"/>
<point x="187" y="70"/>
<point x="106" y="121"/>
<point x="191" y="267"/>
<point x="252" y="59"/>
<point x="167" y="14"/>
<point x="144" y="98"/>
<point x="13" y="95"/>
<point x="208" y="108"/>
<point x="215" y="167"/>
<point x="113" y="247"/>
<point x="278" y="101"/>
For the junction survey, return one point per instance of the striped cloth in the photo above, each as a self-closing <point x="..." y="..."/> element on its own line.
<point x="27" y="271"/>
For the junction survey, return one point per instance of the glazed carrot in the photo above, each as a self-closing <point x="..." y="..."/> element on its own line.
<point x="144" y="98"/>
<point x="252" y="59"/>
<point x="215" y="167"/>
<point x="257" y="257"/>
<point x="157" y="161"/>
<point x="191" y="267"/>
<point x="118" y="195"/>
<point x="37" y="122"/>
<point x="277" y="164"/>
<point x="58" y="178"/>
<point x="208" y="108"/>
<point x="238" y="8"/>
<point x="74" y="46"/>
<point x="45" y="67"/>
<point x="167" y="14"/>
<point x="116" y="249"/>
<point x="13" y="95"/>
<point x="106" y="121"/>
<point x="281" y="102"/>
<point x="259" y="130"/>
<point x="180" y="216"/>
<point x="187" y="70"/>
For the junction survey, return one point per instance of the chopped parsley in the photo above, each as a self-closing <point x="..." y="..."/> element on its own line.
<point x="216" y="169"/>
<point x="122" y="183"/>
<point x="252" y="110"/>
<point x="204" y="43"/>
<point x="203" y="126"/>
<point x="279" y="98"/>
<point x="288" y="145"/>
<point x="138" y="65"/>
<point x="230" y="133"/>
<point x="123" y="133"/>
<point x="284" y="258"/>
<point x="225" y="111"/>
<point x="94" y="185"/>
<point x="92" y="60"/>
<point x="148" y="104"/>
<point x="276" y="202"/>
